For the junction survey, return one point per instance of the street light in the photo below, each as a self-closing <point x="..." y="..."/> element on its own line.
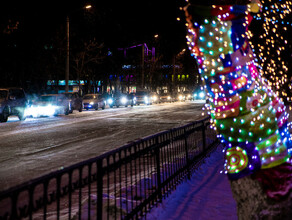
<point x="67" y="72"/>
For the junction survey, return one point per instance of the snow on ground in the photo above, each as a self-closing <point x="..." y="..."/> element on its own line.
<point x="207" y="195"/>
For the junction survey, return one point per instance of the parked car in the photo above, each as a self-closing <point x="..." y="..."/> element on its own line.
<point x="132" y="100"/>
<point x="12" y="102"/>
<point x="174" y="96"/>
<point x="118" y="99"/>
<point x="165" y="97"/>
<point x="48" y="105"/>
<point x="76" y="102"/>
<point x="106" y="97"/>
<point x="143" y="97"/>
<point x="180" y="97"/>
<point x="94" y="101"/>
<point x="154" y="97"/>
<point x="188" y="95"/>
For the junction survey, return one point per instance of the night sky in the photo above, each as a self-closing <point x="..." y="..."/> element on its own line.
<point x="117" y="23"/>
<point x="33" y="32"/>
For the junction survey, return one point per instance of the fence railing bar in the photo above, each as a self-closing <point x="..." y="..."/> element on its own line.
<point x="99" y="183"/>
<point x="89" y="192"/>
<point x="157" y="153"/>
<point x="58" y="196"/>
<point x="120" y="181"/>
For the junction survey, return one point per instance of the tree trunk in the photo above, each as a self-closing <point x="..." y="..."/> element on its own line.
<point x="253" y="202"/>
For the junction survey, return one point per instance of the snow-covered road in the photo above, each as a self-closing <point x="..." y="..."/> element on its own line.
<point x="34" y="147"/>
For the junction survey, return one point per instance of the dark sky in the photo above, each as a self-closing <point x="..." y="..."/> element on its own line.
<point x="39" y="37"/>
<point x="118" y="23"/>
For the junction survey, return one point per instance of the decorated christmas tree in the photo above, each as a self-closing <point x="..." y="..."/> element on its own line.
<point x="249" y="117"/>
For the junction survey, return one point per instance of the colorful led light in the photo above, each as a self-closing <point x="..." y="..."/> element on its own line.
<point x="244" y="109"/>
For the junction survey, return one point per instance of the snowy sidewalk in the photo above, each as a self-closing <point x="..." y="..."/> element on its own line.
<point x="207" y="195"/>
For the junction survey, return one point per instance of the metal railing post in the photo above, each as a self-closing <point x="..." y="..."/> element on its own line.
<point x="58" y="196"/>
<point x="99" y="189"/>
<point x="14" y="199"/>
<point x="157" y="154"/>
<point x="204" y="136"/>
<point x="45" y="197"/>
<point x="187" y="154"/>
<point x="80" y="192"/>
<point x="70" y="190"/>
<point x="30" y="206"/>
<point x="89" y="192"/>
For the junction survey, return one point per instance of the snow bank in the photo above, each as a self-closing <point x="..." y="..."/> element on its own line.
<point x="207" y="195"/>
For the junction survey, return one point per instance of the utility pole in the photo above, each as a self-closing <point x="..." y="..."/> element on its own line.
<point x="67" y="71"/>
<point x="67" y="57"/>
<point x="142" y="66"/>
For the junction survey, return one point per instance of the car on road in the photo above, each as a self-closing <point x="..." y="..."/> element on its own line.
<point x="143" y="97"/>
<point x="176" y="96"/>
<point x="94" y="101"/>
<point x="154" y="97"/>
<point x="132" y="100"/>
<point x="49" y="105"/>
<point x="181" y="97"/>
<point x="165" y="97"/>
<point x="118" y="99"/>
<point x="188" y="95"/>
<point x="76" y="102"/>
<point x="12" y="102"/>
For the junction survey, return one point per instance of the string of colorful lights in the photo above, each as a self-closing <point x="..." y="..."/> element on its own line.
<point x="247" y="114"/>
<point x="272" y="45"/>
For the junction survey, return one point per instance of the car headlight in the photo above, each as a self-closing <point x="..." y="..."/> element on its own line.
<point x="146" y="98"/>
<point x="91" y="103"/>
<point x="124" y="100"/>
<point x="154" y="98"/>
<point x="201" y="95"/>
<point x="180" y="97"/>
<point x="37" y="111"/>
<point x="49" y="110"/>
<point x="168" y="97"/>
<point x="110" y="101"/>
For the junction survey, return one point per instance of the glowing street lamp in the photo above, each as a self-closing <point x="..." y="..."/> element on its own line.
<point x="68" y="50"/>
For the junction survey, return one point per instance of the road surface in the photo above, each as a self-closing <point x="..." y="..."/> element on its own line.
<point x="38" y="146"/>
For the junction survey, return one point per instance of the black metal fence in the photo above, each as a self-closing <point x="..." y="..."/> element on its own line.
<point x="122" y="184"/>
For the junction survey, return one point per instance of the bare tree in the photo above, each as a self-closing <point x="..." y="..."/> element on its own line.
<point x="86" y="61"/>
<point x="154" y="75"/>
